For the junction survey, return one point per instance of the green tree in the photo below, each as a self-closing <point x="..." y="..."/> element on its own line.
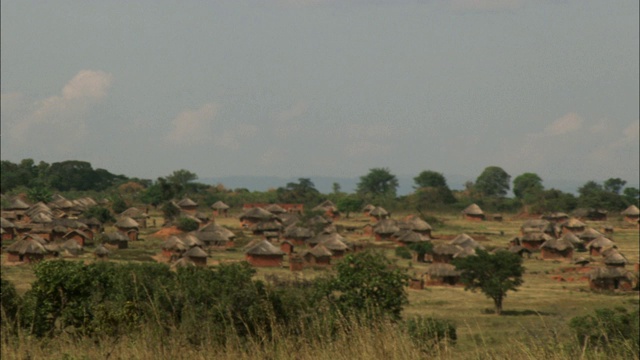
<point x="100" y="213"/>
<point x="378" y="183"/>
<point x="350" y="203"/>
<point x="492" y="274"/>
<point x="493" y="181"/>
<point x="368" y="281"/>
<point x="631" y="195"/>
<point x="608" y="328"/>
<point x="182" y="177"/>
<point x="118" y="205"/>
<point x="595" y="196"/>
<point x="39" y="193"/>
<point x="186" y="224"/>
<point x="527" y="184"/>
<point x="421" y="248"/>
<point x="302" y="192"/>
<point x="336" y="188"/>
<point x="614" y="185"/>
<point x="430" y="178"/>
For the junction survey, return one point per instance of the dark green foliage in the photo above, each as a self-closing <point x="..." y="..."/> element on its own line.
<point x="9" y="301"/>
<point x="187" y="224"/>
<point x="492" y="274"/>
<point x="170" y="210"/>
<point x="368" y="282"/>
<point x="432" y="197"/>
<point x="118" y="205"/>
<point x="302" y="192"/>
<point x="39" y="193"/>
<point x="100" y="213"/>
<point x="403" y="252"/>
<point x="631" y="195"/>
<point x="421" y="249"/>
<point x="553" y="200"/>
<point x="614" y="185"/>
<point x="595" y="196"/>
<point x="493" y="181"/>
<point x="350" y="203"/>
<point x="429" y="333"/>
<point x="379" y="183"/>
<point x="527" y="186"/>
<point x="608" y="328"/>
<point x="430" y="178"/>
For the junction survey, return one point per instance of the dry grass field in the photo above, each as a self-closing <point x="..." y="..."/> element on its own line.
<point x="536" y="315"/>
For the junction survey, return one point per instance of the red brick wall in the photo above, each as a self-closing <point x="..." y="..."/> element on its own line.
<point x="265" y="260"/>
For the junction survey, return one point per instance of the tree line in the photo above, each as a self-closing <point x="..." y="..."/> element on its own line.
<point x="379" y="186"/>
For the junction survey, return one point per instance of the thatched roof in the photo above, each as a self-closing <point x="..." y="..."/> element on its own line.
<point x="334" y="242"/>
<point x="466" y="251"/>
<point x="473" y="209"/>
<point x="298" y="232"/>
<point x="257" y="213"/>
<point x="411" y="237"/>
<point x="386" y="226"/>
<point x="173" y="243"/>
<point x="536" y="225"/>
<point x="101" y="251"/>
<point x="319" y="219"/>
<point x="27" y="245"/>
<point x="190" y="240"/>
<point x="216" y="237"/>
<point x="71" y="245"/>
<point x="560" y="244"/>
<point x="264" y="247"/>
<point x="134" y="213"/>
<point x="219" y="205"/>
<point x="37" y="208"/>
<point x="76" y="231"/>
<point x="6" y="224"/>
<point x="417" y="224"/>
<point x="368" y="207"/>
<point x="127" y="223"/>
<point x="183" y="262"/>
<point x="267" y="225"/>
<point x="615" y="258"/>
<point x="17" y="204"/>
<point x="466" y="241"/>
<point x="632" y="210"/>
<point x="275" y="209"/>
<point x="213" y="227"/>
<point x="442" y="270"/>
<point x="318" y="252"/>
<point x="572" y="238"/>
<point x="61" y="203"/>
<point x="186" y="202"/>
<point x="611" y="273"/>
<point x="601" y="243"/>
<point x="378" y="211"/>
<point x="446" y="249"/>
<point x="536" y="236"/>
<point x="326" y="206"/>
<point x="41" y="218"/>
<point x="195" y="252"/>
<point x="589" y="234"/>
<point x="517" y="249"/>
<point x="573" y="223"/>
<point x="581" y="261"/>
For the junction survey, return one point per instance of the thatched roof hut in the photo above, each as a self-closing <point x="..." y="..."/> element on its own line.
<point x="379" y="213"/>
<point x="219" y="205"/>
<point x="101" y="252"/>
<point x="384" y="229"/>
<point x="596" y="246"/>
<point x="611" y="278"/>
<point x="557" y="249"/>
<point x="442" y="274"/>
<point x="264" y="254"/>
<point x="29" y="248"/>
<point x="466" y="241"/>
<point x="197" y="255"/>
<point x="17" y="204"/>
<point x="183" y="262"/>
<point x="631" y="214"/>
<point x="473" y="212"/>
<point x="574" y="225"/>
<point x="126" y="222"/>
<point x="318" y="255"/>
<point x="615" y="259"/>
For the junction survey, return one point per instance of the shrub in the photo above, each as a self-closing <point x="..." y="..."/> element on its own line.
<point x="187" y="224"/>
<point x="403" y="252"/>
<point x="428" y="333"/>
<point x="607" y="328"/>
<point x="8" y="301"/>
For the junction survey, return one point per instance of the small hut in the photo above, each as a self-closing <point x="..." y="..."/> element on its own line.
<point x="378" y="213"/>
<point x="197" y="255"/>
<point x="254" y="216"/>
<point x="183" y="262"/>
<point x="367" y="209"/>
<point x="101" y="253"/>
<point x="116" y="239"/>
<point x="28" y="249"/>
<point x="466" y="241"/>
<point x="136" y="214"/>
<point x="173" y="247"/>
<point x="577" y="243"/>
<point x="335" y="243"/>
<point x="631" y="214"/>
<point x="297" y="234"/>
<point x="557" y="217"/>
<point x="419" y="226"/>
<point x="72" y="247"/>
<point x="557" y="249"/>
<point x="613" y="258"/>
<point x="287" y="247"/>
<point x="534" y="240"/>
<point x="187" y="205"/>
<point x="521" y="251"/>
<point x="537" y="226"/>
<point x="264" y="254"/>
<point x="597" y="246"/>
<point x="329" y="209"/>
<point x="442" y="274"/>
<point x="296" y="263"/>
<point x="220" y="209"/>
<point x="444" y="253"/>
<point x="589" y="235"/>
<point x="611" y="278"/>
<point x="79" y="236"/>
<point x="384" y="229"/>
<point x="8" y="228"/>
<point x="319" y="255"/>
<point x="473" y="212"/>
<point x="573" y="225"/>
<point x="129" y="227"/>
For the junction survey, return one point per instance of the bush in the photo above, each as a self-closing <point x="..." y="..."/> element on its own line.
<point x="8" y="301"/>
<point x="403" y="252"/>
<point x="186" y="224"/>
<point x="607" y="328"/>
<point x="428" y="333"/>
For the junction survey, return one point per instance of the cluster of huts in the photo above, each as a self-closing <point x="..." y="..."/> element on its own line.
<point x="47" y="230"/>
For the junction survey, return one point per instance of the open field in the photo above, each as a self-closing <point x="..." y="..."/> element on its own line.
<point x="553" y="291"/>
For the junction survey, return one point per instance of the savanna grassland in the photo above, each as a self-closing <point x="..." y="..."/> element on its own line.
<point x="534" y="323"/>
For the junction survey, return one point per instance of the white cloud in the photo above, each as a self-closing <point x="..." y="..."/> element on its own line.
<point x="58" y="122"/>
<point x="193" y="126"/>
<point x="569" y="123"/>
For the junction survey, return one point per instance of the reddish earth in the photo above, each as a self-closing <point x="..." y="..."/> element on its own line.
<point x="166" y="232"/>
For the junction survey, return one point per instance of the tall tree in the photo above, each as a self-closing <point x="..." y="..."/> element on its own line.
<point x="492" y="274"/>
<point x="378" y="183"/>
<point x="493" y="181"/>
<point x="302" y="192"/>
<point x="430" y="178"/>
<point x="527" y="184"/>
<point x="614" y="185"/>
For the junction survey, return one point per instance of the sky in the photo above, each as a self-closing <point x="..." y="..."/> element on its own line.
<point x="302" y="88"/>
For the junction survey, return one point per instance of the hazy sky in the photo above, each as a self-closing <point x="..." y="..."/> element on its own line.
<point x="324" y="88"/>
